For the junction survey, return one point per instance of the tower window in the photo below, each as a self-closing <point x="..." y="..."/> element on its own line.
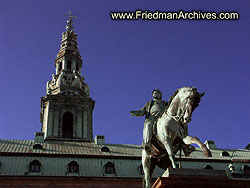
<point x="35" y="166"/>
<point x="60" y="66"/>
<point x="77" y="67"/>
<point x="109" y="168"/>
<point x="69" y="64"/>
<point x="67" y="125"/>
<point x="73" y="167"/>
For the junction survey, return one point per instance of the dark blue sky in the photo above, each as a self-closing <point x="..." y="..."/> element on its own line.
<point x="123" y="61"/>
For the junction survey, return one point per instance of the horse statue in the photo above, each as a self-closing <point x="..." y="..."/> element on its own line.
<point x="172" y="133"/>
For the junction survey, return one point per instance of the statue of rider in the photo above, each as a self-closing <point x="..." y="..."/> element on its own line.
<point x="152" y="110"/>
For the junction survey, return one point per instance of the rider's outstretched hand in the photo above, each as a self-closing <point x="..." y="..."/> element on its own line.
<point x="133" y="113"/>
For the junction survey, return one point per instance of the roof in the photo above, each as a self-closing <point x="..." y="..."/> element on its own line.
<point x="68" y="148"/>
<point x="90" y="149"/>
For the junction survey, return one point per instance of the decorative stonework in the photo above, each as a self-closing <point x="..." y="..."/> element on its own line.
<point x="67" y="83"/>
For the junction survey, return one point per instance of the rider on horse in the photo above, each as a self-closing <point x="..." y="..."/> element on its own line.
<point x="152" y="110"/>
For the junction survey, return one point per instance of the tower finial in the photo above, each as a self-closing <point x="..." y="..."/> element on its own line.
<point x="69" y="26"/>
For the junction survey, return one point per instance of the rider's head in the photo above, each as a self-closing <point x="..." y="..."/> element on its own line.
<point x="157" y="94"/>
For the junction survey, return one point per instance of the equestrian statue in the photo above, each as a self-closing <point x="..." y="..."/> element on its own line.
<point x="166" y="130"/>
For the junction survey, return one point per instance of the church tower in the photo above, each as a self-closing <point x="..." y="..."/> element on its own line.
<point x="66" y="109"/>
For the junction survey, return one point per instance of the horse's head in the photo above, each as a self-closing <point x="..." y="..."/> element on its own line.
<point x="184" y="102"/>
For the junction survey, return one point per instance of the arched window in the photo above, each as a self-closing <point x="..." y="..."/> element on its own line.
<point x="35" y="166"/>
<point x="109" y="168"/>
<point x="105" y="149"/>
<point x="208" y="167"/>
<point x="246" y="169"/>
<point x="73" y="167"/>
<point x="67" y="125"/>
<point x="225" y="154"/>
<point x="37" y="146"/>
<point x="69" y="64"/>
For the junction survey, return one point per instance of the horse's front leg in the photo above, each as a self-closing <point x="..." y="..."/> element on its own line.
<point x="146" y="163"/>
<point x="194" y="140"/>
<point x="163" y="132"/>
<point x="168" y="146"/>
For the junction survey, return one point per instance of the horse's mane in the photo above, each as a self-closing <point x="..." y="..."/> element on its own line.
<point x="172" y="97"/>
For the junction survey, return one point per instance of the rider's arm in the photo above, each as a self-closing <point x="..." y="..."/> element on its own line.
<point x="140" y="112"/>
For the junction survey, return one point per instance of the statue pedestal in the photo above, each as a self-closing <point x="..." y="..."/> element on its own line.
<point x="185" y="172"/>
<point x="197" y="178"/>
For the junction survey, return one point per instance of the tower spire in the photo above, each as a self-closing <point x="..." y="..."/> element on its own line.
<point x="68" y="63"/>
<point x="66" y="109"/>
<point x="69" y="26"/>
